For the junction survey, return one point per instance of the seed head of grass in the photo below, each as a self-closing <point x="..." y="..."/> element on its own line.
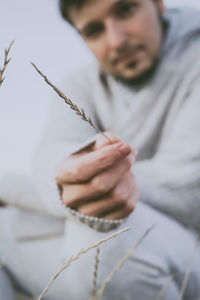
<point x="5" y="63"/>
<point x="79" y="111"/>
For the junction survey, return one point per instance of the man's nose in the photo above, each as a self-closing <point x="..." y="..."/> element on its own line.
<point x="116" y="36"/>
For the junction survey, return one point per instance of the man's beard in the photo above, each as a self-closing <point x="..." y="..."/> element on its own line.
<point x="142" y="78"/>
<point x="147" y="74"/>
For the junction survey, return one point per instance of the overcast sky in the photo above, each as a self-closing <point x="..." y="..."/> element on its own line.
<point x="44" y="38"/>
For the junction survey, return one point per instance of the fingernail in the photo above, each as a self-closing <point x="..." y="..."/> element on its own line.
<point x="132" y="158"/>
<point x="136" y="152"/>
<point x="124" y="149"/>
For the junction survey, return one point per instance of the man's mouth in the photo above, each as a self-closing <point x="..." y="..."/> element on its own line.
<point x="127" y="57"/>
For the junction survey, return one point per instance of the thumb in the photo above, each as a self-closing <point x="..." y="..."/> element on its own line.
<point x="107" y="138"/>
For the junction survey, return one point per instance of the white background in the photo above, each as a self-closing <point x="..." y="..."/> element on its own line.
<point x="44" y="38"/>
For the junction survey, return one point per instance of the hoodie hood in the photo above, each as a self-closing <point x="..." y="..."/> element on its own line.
<point x="183" y="24"/>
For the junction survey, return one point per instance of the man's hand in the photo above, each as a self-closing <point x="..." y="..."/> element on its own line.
<point x="98" y="181"/>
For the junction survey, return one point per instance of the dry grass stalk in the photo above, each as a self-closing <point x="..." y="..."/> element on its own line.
<point x="121" y="263"/>
<point x="73" y="258"/>
<point x="189" y="269"/>
<point x="6" y="62"/>
<point x="165" y="287"/>
<point x="79" y="111"/>
<point x="2" y="263"/>
<point x="96" y="265"/>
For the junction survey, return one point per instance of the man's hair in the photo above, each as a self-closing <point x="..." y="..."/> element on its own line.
<point x="65" y="5"/>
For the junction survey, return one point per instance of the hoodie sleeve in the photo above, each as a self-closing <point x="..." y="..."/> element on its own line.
<point x="170" y="181"/>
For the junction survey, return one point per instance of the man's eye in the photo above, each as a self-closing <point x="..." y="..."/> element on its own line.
<point x="127" y="9"/>
<point x="94" y="32"/>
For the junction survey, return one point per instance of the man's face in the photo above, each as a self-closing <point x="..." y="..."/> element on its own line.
<point x="124" y="35"/>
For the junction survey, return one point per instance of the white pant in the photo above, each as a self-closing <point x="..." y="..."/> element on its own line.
<point x="6" y="288"/>
<point x="166" y="251"/>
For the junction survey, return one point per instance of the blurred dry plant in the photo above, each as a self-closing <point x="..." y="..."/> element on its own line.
<point x="1" y="264"/>
<point x="77" y="256"/>
<point x="97" y="295"/>
<point x="95" y="274"/>
<point x="121" y="263"/>
<point x="186" y="276"/>
<point x="165" y="287"/>
<point x="5" y="63"/>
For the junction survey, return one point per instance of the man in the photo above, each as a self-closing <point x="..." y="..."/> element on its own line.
<point x="144" y="90"/>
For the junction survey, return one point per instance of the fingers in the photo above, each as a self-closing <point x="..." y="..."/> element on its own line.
<point x="81" y="168"/>
<point x="97" y="180"/>
<point x="101" y="184"/>
<point x="108" y="179"/>
<point x="120" y="213"/>
<point x="125" y="210"/>
<point x="102" y="141"/>
<point x="98" y="141"/>
<point x="112" y="201"/>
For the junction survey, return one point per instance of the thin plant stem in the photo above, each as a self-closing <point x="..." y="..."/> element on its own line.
<point x="189" y="269"/>
<point x="5" y="63"/>
<point x="2" y="264"/>
<point x="121" y="263"/>
<point x="165" y="287"/>
<point x="77" y="256"/>
<point x="79" y="111"/>
<point x="95" y="274"/>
